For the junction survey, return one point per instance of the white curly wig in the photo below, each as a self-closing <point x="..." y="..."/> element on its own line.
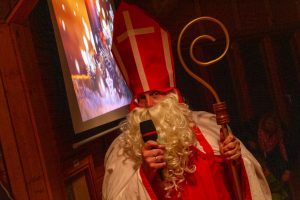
<point x="174" y="124"/>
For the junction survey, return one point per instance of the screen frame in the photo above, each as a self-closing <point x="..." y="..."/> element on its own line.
<point x="83" y="129"/>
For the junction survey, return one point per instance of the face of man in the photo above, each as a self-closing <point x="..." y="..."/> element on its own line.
<point x="149" y="99"/>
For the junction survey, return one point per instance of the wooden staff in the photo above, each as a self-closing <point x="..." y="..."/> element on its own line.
<point x="219" y="107"/>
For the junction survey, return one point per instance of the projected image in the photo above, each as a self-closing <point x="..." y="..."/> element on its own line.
<point x="86" y="32"/>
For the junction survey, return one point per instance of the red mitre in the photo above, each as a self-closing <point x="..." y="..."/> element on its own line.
<point x="142" y="49"/>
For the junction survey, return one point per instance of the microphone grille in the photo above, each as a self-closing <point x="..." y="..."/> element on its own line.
<point x="147" y="126"/>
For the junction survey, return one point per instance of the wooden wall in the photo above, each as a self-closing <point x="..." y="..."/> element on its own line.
<point x="259" y="73"/>
<point x="5" y="8"/>
<point x="36" y="131"/>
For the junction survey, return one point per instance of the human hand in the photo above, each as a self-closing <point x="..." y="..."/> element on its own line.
<point x="153" y="158"/>
<point x="285" y="177"/>
<point x="230" y="148"/>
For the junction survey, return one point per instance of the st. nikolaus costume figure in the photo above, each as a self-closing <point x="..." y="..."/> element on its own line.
<point x="194" y="167"/>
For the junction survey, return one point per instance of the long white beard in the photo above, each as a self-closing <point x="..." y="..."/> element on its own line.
<point x="174" y="128"/>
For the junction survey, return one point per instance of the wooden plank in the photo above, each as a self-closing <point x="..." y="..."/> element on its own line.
<point x="21" y="11"/>
<point x="7" y="134"/>
<point x="275" y="80"/>
<point x="35" y="92"/>
<point x="21" y="119"/>
<point x="5" y="8"/>
<point x="241" y="87"/>
<point x="37" y="179"/>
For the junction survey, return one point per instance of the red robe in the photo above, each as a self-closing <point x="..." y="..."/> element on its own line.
<point x="123" y="178"/>
<point x="211" y="180"/>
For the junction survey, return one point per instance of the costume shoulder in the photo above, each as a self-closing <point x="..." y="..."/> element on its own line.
<point x="206" y="122"/>
<point x="211" y="131"/>
<point x="122" y="177"/>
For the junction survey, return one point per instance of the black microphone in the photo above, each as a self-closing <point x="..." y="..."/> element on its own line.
<point x="148" y="132"/>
